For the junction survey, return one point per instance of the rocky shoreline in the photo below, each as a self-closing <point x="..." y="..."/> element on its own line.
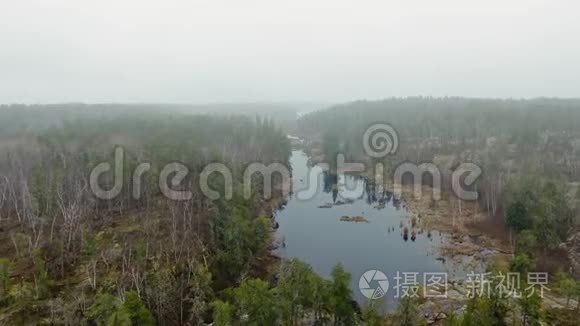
<point x="464" y="249"/>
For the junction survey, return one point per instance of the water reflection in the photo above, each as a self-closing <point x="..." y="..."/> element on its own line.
<point x="312" y="229"/>
<point x="375" y="195"/>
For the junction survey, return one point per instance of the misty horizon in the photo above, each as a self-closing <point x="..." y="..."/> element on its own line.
<point x="313" y="162"/>
<point x="331" y="52"/>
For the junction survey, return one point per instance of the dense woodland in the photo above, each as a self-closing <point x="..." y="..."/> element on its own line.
<point x="18" y="118"/>
<point x="529" y="151"/>
<point x="71" y="258"/>
<point x="521" y="145"/>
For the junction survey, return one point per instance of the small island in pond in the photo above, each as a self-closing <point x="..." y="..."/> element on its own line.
<point x="357" y="219"/>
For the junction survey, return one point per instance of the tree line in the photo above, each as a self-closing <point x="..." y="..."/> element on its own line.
<point x="71" y="258"/>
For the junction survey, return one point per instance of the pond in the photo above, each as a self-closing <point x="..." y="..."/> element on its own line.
<point x="312" y="230"/>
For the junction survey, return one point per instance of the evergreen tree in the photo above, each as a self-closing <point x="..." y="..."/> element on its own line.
<point x="108" y="310"/>
<point x="531" y="309"/>
<point x="371" y="315"/>
<point x="518" y="216"/>
<point x="4" y="278"/>
<point x="255" y="303"/>
<point x="341" y="296"/>
<point x="138" y="313"/>
<point x="407" y="313"/>
<point x="296" y="290"/>
<point x="222" y="313"/>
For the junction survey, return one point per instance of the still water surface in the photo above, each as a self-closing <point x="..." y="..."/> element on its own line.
<point x="317" y="236"/>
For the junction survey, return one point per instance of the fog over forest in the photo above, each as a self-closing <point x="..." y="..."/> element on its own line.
<point x="307" y="162"/>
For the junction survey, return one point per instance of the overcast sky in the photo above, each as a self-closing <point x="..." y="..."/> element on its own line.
<point x="299" y="50"/>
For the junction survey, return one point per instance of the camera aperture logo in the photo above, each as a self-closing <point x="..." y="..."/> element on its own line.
<point x="374" y="278"/>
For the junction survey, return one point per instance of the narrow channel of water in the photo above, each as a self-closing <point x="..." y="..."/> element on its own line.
<point x="312" y="231"/>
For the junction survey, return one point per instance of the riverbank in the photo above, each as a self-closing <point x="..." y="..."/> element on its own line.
<point x="475" y="241"/>
<point x="459" y="219"/>
<point x="322" y="227"/>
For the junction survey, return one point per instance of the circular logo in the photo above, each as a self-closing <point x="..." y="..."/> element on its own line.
<point x="380" y="140"/>
<point x="376" y="278"/>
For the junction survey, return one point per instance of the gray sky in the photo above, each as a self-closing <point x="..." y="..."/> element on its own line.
<point x="300" y="50"/>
